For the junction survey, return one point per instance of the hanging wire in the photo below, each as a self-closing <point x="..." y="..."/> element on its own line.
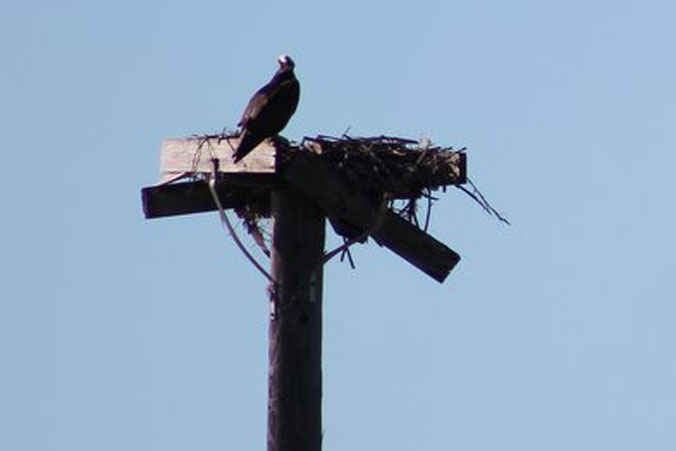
<point x="226" y="223"/>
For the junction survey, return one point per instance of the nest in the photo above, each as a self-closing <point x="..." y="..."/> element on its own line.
<point x="401" y="167"/>
<point x="399" y="171"/>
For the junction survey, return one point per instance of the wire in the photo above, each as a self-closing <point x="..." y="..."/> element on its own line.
<point x="226" y="223"/>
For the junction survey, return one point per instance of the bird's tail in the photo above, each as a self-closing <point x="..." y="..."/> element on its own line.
<point x="246" y="144"/>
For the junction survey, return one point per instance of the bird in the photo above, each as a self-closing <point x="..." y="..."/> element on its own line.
<point x="270" y="108"/>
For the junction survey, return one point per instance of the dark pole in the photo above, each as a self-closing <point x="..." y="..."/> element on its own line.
<point x="295" y="378"/>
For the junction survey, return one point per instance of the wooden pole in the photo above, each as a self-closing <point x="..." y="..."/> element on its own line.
<point x="295" y="335"/>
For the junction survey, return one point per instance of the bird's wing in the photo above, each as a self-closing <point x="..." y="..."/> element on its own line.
<point x="266" y="95"/>
<point x="254" y="107"/>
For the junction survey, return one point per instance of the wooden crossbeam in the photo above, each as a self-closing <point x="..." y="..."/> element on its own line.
<point x="258" y="171"/>
<point x="255" y="177"/>
<point x="309" y="175"/>
<point x="234" y="190"/>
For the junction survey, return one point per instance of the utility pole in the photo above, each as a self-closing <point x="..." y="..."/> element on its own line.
<point x="295" y="346"/>
<point x="299" y="187"/>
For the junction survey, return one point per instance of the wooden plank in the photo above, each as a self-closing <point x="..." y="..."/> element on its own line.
<point x="462" y="168"/>
<point x="194" y="197"/>
<point x="309" y="175"/>
<point x="195" y="155"/>
<point x="423" y="251"/>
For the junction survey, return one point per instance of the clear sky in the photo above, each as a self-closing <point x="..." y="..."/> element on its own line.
<point x="557" y="333"/>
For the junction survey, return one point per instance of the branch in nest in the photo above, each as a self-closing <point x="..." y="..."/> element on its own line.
<point x="252" y="224"/>
<point x="482" y="201"/>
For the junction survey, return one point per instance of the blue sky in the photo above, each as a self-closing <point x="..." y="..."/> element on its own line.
<point x="556" y="333"/>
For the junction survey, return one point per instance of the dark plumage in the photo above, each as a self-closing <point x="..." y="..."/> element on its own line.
<point x="270" y="109"/>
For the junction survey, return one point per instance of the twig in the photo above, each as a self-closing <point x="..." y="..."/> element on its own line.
<point x="380" y="216"/>
<point x="428" y="213"/>
<point x="482" y="201"/>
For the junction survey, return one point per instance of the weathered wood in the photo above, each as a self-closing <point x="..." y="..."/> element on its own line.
<point x="423" y="251"/>
<point x="295" y="334"/>
<point x="195" y="155"/>
<point x="194" y="197"/>
<point x="462" y="168"/>
<point x="309" y="175"/>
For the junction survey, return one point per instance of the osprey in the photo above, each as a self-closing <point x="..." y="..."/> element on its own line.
<point x="269" y="109"/>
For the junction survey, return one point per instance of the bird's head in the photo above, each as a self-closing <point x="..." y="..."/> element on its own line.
<point x="285" y="62"/>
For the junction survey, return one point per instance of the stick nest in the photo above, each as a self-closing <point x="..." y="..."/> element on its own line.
<point x="401" y="167"/>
